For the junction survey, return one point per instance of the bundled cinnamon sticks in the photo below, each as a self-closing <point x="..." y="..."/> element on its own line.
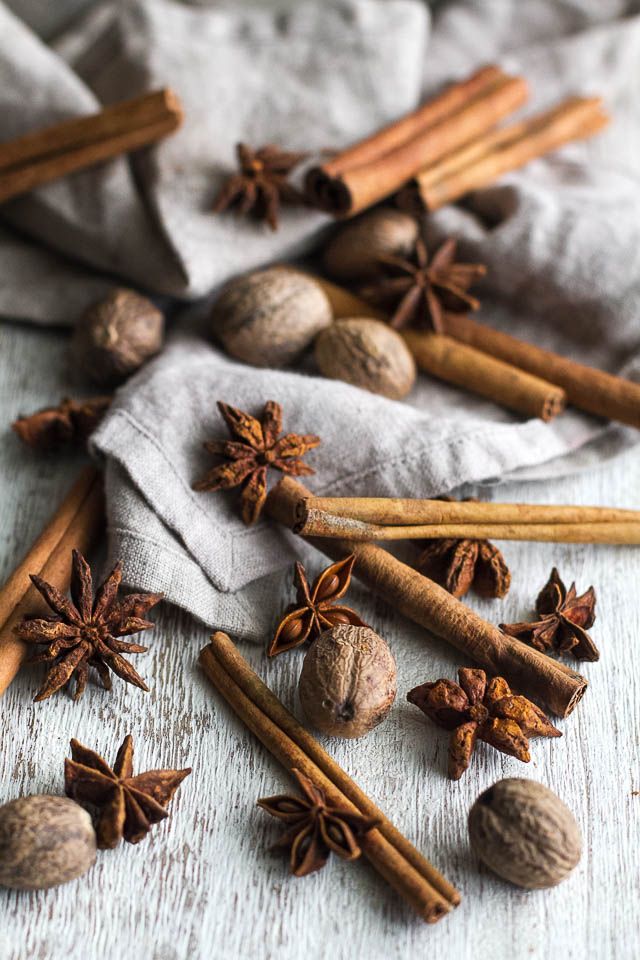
<point x="423" y="601"/>
<point x="45" y="155"/>
<point x="76" y="524"/>
<point x="396" y="859"/>
<point x="378" y="166"/>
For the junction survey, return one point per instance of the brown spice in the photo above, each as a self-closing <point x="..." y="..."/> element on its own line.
<point x="127" y="806"/>
<point x="476" y="710"/>
<point x="261" y="184"/>
<point x="68" y="424"/>
<point x="83" y="631"/>
<point x="316" y="827"/>
<point x="458" y="565"/>
<point x="315" y="608"/>
<point x="421" y="288"/>
<point x="255" y="446"/>
<point x="564" y="620"/>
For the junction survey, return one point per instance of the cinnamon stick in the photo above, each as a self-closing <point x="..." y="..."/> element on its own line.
<point x="503" y="383"/>
<point x="45" y="155"/>
<point x="404" y="511"/>
<point x="236" y="666"/>
<point x="415" y="596"/>
<point x="376" y="168"/>
<point x="77" y="523"/>
<point x="389" y="862"/>
<point x="499" y="152"/>
<point x="587" y="388"/>
<point x="318" y="523"/>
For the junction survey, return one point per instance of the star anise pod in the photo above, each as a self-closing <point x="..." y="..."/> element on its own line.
<point x="83" y="633"/>
<point x="68" y="424"/>
<point x="476" y="710"/>
<point x="315" y="608"/>
<point x="261" y="183"/>
<point x="256" y="446"/>
<point x="458" y="565"/>
<point x="564" y="618"/>
<point x="420" y="289"/>
<point x="316" y="827"/>
<point x="126" y="806"/>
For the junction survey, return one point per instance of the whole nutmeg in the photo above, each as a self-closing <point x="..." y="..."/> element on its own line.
<point x="270" y="317"/>
<point x="366" y="353"/>
<point x="348" y="681"/>
<point x="44" y="841"/>
<point x="525" y="833"/>
<point x="354" y="252"/>
<point x="115" y="336"/>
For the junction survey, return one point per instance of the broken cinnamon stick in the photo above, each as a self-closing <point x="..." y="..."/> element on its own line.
<point x="587" y="388"/>
<point x="45" y="155"/>
<point x="415" y="596"/>
<point x="77" y="523"/>
<point x="380" y="165"/>
<point x="498" y="152"/>
<point x="428" y="902"/>
<point x="405" y="511"/>
<point x="503" y="383"/>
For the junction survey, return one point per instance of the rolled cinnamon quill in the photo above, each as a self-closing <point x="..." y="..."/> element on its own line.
<point x="381" y="164"/>
<point x="77" y="523"/>
<point x="428" y="902"/>
<point x="415" y="596"/>
<point x="45" y="155"/>
<point x="403" y="511"/>
<point x="503" y="383"/>
<point x="498" y="152"/>
<point x="587" y="388"/>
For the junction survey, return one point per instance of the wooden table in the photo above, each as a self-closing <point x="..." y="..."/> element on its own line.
<point x="204" y="884"/>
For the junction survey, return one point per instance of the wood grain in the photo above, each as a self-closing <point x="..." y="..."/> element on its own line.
<point x="204" y="884"/>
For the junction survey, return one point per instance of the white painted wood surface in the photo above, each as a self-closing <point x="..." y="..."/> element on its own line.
<point x="204" y="884"/>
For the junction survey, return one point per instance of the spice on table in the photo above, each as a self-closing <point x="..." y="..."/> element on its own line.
<point x="84" y="631"/>
<point x="315" y="609"/>
<point x="127" y="806"/>
<point x="421" y="288"/>
<point x="256" y="446"/>
<point x="458" y="565"/>
<point x="476" y="710"/>
<point x="564" y="618"/>
<point x="316" y="827"/>
<point x="261" y="184"/>
<point x="69" y="424"/>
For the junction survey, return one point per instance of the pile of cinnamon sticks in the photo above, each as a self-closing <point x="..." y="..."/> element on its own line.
<point x="450" y="145"/>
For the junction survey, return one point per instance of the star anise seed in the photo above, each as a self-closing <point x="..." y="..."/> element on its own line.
<point x="84" y="631"/>
<point x="476" y="710"/>
<point x="564" y="618"/>
<point x="127" y="806"/>
<point x="420" y="289"/>
<point x="256" y="446"/>
<point x="458" y="565"/>
<point x="68" y="424"/>
<point x="316" y="827"/>
<point x="261" y="183"/>
<point x="315" y="609"/>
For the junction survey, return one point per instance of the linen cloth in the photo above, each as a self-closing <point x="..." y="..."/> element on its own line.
<point x="560" y="239"/>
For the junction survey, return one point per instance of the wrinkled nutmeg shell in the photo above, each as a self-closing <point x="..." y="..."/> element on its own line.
<point x="348" y="681"/>
<point x="115" y="336"/>
<point x="44" y="841"/>
<point x="270" y="317"/>
<point x="523" y="832"/>
<point x="354" y="252"/>
<point x="366" y="353"/>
